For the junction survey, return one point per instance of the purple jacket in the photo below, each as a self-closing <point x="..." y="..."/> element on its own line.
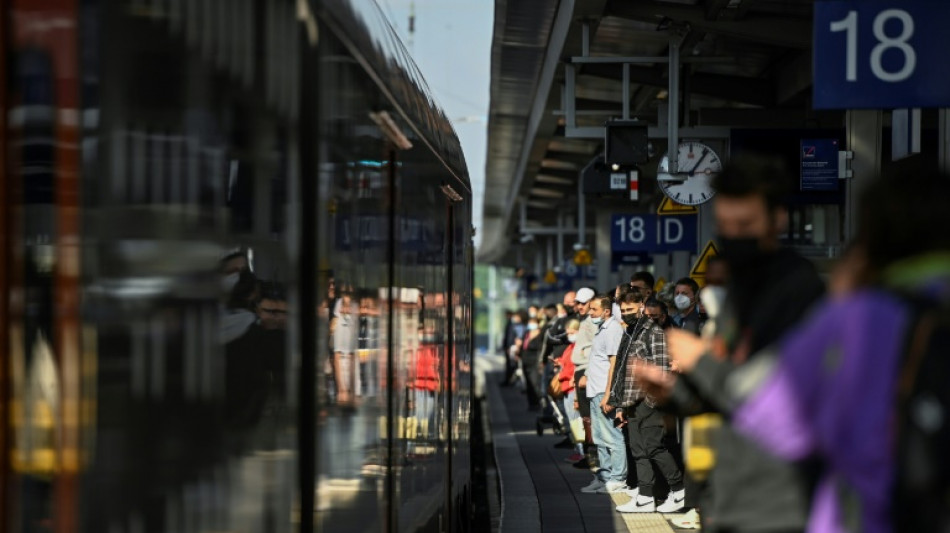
<point x="829" y="393"/>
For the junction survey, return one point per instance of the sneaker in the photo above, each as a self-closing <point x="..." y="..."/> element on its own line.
<point x="674" y="502"/>
<point x="574" y="457"/>
<point x="595" y="486"/>
<point x="583" y="463"/>
<point x="689" y="520"/>
<point x="566" y="443"/>
<point x="640" y="504"/>
<point x="633" y="493"/>
<point x="612" y="487"/>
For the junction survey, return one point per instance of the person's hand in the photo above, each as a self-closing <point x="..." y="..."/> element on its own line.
<point x="583" y="382"/>
<point x="604" y="406"/>
<point x="623" y="419"/>
<point x="685" y="349"/>
<point x="654" y="381"/>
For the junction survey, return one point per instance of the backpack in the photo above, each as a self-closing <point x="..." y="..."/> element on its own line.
<point x="922" y="483"/>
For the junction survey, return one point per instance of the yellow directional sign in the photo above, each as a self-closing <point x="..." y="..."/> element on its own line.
<point x="550" y="278"/>
<point x="698" y="273"/>
<point x="658" y="286"/>
<point x="583" y="258"/>
<point x="669" y="207"/>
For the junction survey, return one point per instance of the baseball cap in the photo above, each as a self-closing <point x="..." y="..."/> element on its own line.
<point x="583" y="295"/>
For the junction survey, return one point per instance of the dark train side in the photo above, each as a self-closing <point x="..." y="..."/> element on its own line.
<point x="237" y="265"/>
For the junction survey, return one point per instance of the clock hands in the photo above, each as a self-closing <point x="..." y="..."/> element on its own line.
<point x="698" y="162"/>
<point x="675" y="176"/>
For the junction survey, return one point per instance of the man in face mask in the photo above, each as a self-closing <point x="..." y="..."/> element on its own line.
<point x="684" y="298"/>
<point x="769" y="290"/>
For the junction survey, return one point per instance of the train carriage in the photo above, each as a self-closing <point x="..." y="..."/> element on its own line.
<point x="237" y="268"/>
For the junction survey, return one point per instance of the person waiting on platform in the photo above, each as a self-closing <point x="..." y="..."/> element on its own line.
<point x="645" y="341"/>
<point x="687" y="314"/>
<point x="611" y="450"/>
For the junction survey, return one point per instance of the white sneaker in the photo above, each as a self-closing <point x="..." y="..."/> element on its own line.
<point x="640" y="504"/>
<point x="689" y="520"/>
<point x="615" y="487"/>
<point x="674" y="502"/>
<point x="633" y="493"/>
<point x="595" y="486"/>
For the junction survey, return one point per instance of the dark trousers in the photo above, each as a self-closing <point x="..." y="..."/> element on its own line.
<point x="532" y="377"/>
<point x="583" y="406"/>
<point x="646" y="432"/>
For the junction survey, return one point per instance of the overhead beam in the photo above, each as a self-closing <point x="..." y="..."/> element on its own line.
<point x="785" y="32"/>
<point x="755" y="91"/>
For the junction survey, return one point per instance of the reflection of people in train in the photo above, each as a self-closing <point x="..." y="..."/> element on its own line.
<point x="239" y="290"/>
<point x="255" y="361"/>
<point x="367" y="346"/>
<point x="424" y="382"/>
<point x="345" y="334"/>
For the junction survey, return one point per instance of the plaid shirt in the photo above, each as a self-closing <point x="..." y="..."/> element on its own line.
<point x="644" y="342"/>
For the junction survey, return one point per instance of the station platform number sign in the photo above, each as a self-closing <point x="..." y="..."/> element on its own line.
<point x="650" y="233"/>
<point x="881" y="54"/>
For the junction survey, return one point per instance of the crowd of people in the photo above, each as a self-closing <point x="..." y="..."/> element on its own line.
<point x="786" y="401"/>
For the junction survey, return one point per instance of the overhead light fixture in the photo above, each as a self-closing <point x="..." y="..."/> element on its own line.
<point x="391" y="130"/>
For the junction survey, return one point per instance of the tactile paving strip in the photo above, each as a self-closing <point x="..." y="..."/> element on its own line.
<point x="642" y="522"/>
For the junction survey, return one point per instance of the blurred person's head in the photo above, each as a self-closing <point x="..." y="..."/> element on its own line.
<point x="561" y="310"/>
<point x="644" y="282"/>
<point x="901" y="216"/>
<point x="272" y="306"/>
<point x="684" y="294"/>
<point x="532" y="324"/>
<point x="748" y="208"/>
<point x="230" y="267"/>
<point x="550" y="311"/>
<point x="572" y="327"/>
<point x="600" y="308"/>
<point x="568" y="300"/>
<point x="631" y="307"/>
<point x="582" y="301"/>
<point x="656" y="310"/>
<point x="532" y="311"/>
<point x="245" y="291"/>
<point x="717" y="271"/>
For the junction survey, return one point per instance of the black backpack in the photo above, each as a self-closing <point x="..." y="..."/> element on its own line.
<point x="922" y="484"/>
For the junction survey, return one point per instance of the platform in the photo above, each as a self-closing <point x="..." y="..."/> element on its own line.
<point x="539" y="490"/>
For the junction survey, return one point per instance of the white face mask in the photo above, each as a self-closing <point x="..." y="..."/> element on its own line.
<point x="597" y="320"/>
<point x="571" y="337"/>
<point x="682" y="302"/>
<point x="532" y="314"/>
<point x="712" y="298"/>
<point x="532" y="326"/>
<point x="228" y="282"/>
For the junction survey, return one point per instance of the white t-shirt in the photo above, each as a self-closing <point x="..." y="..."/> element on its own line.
<point x="606" y="344"/>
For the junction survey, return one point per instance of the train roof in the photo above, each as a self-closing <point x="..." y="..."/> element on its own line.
<point x="368" y="35"/>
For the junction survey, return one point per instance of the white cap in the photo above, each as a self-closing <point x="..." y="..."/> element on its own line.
<point x="583" y="295"/>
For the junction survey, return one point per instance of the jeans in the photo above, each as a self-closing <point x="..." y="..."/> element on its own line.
<point x="611" y="450"/>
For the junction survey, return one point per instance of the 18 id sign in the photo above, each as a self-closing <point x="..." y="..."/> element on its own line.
<point x="881" y="54"/>
<point x="649" y="233"/>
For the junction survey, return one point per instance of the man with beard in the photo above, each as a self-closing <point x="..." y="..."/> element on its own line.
<point x="769" y="291"/>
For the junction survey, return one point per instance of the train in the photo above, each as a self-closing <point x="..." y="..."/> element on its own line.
<point x="237" y="268"/>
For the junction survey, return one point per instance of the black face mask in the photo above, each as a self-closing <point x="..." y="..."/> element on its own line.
<point x="740" y="252"/>
<point x="629" y="318"/>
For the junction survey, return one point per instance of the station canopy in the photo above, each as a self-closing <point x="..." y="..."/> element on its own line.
<point x="745" y="63"/>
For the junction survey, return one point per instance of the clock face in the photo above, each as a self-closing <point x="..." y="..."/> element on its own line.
<point x="696" y="164"/>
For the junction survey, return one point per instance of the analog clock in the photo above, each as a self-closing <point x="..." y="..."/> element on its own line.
<point x="696" y="164"/>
